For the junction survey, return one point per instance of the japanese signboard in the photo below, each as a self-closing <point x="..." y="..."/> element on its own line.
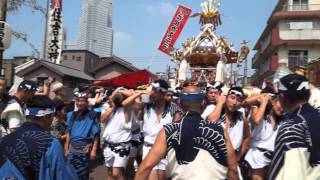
<point x="5" y="35"/>
<point x="174" y="29"/>
<point x="55" y="32"/>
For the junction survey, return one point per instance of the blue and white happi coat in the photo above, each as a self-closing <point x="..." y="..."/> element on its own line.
<point x="32" y="153"/>
<point x="297" y="147"/>
<point x="83" y="128"/>
<point x="196" y="149"/>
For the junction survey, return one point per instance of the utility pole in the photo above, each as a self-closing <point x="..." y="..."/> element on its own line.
<point x="168" y="71"/>
<point x="231" y="73"/>
<point x="45" y="41"/>
<point x="243" y="55"/>
<point x="245" y="72"/>
<point x="3" y="13"/>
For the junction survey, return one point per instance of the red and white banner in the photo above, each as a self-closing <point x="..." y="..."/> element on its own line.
<point x="55" y="32"/>
<point x="174" y="30"/>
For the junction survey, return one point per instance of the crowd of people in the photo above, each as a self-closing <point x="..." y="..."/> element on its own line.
<point x="156" y="132"/>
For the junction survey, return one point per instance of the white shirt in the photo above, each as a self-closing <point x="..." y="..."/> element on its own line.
<point x="151" y="127"/>
<point x="315" y="98"/>
<point x="14" y="114"/>
<point x="14" y="119"/>
<point x="117" y="130"/>
<point x="235" y="133"/>
<point x="209" y="109"/>
<point x="264" y="136"/>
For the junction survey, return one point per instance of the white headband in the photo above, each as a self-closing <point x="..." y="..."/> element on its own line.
<point x="157" y="86"/>
<point x="236" y="93"/>
<point x="303" y="85"/>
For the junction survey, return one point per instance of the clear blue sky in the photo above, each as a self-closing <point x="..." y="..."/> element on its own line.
<point x="140" y="24"/>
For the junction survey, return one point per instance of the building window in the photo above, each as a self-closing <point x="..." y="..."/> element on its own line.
<point x="300" y="25"/>
<point x="73" y="57"/>
<point x="65" y="57"/>
<point x="297" y="58"/>
<point x="78" y="58"/>
<point x="92" y="62"/>
<point x="316" y="24"/>
<point x="299" y="5"/>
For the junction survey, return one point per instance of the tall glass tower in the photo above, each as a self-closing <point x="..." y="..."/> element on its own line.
<point x="96" y="34"/>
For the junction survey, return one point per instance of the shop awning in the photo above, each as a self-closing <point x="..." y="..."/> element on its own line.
<point x="129" y="80"/>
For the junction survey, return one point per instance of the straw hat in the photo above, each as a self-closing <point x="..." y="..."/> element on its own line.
<point x="56" y="86"/>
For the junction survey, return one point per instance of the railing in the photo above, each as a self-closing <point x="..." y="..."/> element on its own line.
<point x="294" y="61"/>
<point x="301" y="7"/>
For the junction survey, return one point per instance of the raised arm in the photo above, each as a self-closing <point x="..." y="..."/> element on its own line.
<point x="259" y="114"/>
<point x="131" y="99"/>
<point x="99" y="97"/>
<point x="216" y="113"/>
<point x="108" y="111"/>
<point x="46" y="89"/>
<point x="251" y="100"/>
<point x="125" y="92"/>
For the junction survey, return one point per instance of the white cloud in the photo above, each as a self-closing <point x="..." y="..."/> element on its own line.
<point x="122" y="39"/>
<point x="162" y="8"/>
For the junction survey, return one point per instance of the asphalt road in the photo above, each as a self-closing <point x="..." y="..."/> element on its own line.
<point x="97" y="169"/>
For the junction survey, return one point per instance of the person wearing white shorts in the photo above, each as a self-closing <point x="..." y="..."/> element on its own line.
<point x="118" y="117"/>
<point x="265" y="120"/>
<point x="227" y="113"/>
<point x="156" y="114"/>
<point x="116" y="155"/>
<point x="162" y="165"/>
<point x="151" y="129"/>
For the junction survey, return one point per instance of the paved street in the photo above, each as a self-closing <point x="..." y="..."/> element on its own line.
<point x="98" y="170"/>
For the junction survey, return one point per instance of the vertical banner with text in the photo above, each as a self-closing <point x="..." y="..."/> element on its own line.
<point x="178" y="22"/>
<point x="55" y="32"/>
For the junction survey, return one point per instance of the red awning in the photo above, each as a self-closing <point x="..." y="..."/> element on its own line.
<point x="129" y="79"/>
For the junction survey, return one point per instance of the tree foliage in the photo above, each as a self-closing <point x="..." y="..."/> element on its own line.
<point x="15" y="5"/>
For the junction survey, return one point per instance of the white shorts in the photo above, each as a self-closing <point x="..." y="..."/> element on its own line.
<point x="113" y="159"/>
<point x="257" y="159"/>
<point x="162" y="165"/>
